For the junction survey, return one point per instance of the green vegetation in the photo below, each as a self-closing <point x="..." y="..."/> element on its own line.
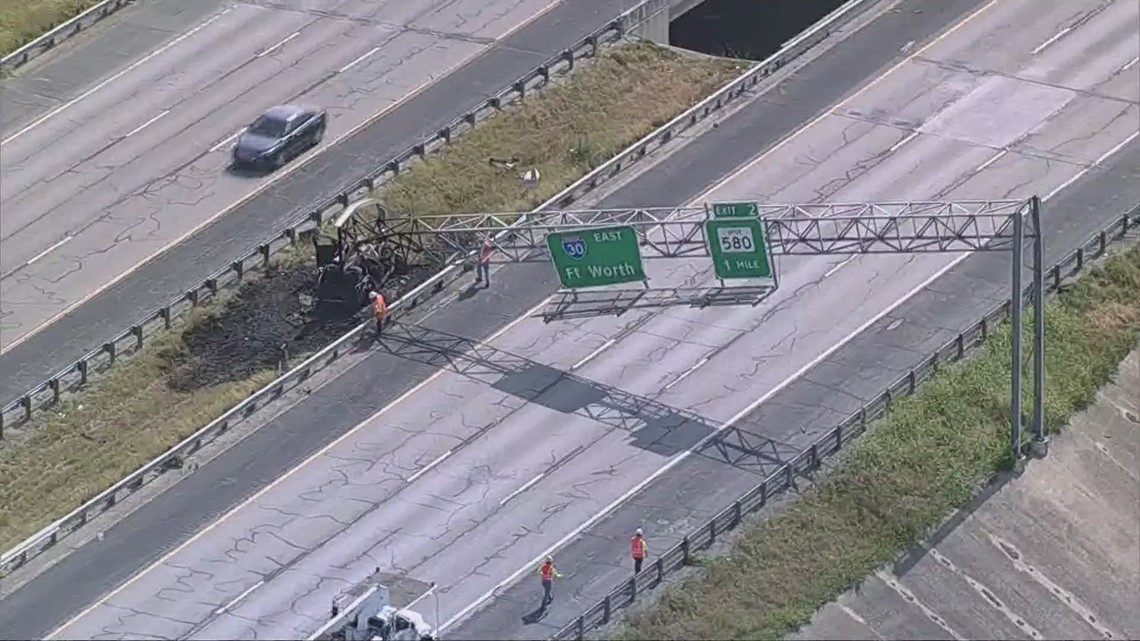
<point x="925" y="459"/>
<point x="22" y="21"/>
<point x="188" y="377"/>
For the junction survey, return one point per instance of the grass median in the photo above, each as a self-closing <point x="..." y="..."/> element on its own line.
<point x="925" y="459"/>
<point x="184" y="379"/>
<point x="22" y="21"/>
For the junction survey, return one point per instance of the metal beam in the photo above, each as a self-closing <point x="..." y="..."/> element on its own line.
<point x="795" y="229"/>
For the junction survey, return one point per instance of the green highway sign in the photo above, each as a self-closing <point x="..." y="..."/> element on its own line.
<point x="735" y="210"/>
<point x="596" y="257"/>
<point x="739" y="248"/>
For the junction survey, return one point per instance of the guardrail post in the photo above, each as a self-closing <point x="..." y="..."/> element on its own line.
<point x="109" y="347"/>
<point x="53" y="383"/>
<point x="737" y="513"/>
<point x="910" y="380"/>
<point x="985" y="324"/>
<point x="633" y="588"/>
<point x="239" y="269"/>
<point x="137" y="330"/>
<point x="81" y="366"/>
<point x="580" y="627"/>
<point x="192" y="296"/>
<point x="212" y="285"/>
<point x="815" y="455"/>
<point x="263" y="249"/>
<point x="445" y="134"/>
<point x="712" y="531"/>
<point x="520" y="88"/>
<point x="568" y="56"/>
<point x="1103" y="237"/>
<point x="1056" y="276"/>
<point x="607" y="608"/>
<point x="593" y="42"/>
<point x="26" y="401"/>
<point x="1080" y="258"/>
<point x="685" y="550"/>
<point x="544" y="71"/>
<point x="961" y="345"/>
<point x="661" y="566"/>
<point x="164" y="314"/>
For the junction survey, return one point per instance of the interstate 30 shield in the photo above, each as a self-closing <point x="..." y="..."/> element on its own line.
<point x="574" y="246"/>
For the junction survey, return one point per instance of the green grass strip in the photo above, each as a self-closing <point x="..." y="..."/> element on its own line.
<point x="926" y="458"/>
<point x="22" y="21"/>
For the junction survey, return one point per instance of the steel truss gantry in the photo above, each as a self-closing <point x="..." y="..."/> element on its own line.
<point x="791" y="229"/>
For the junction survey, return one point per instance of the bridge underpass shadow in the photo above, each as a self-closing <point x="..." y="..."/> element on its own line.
<point x="653" y="425"/>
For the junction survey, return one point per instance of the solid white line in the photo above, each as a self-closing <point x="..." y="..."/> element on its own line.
<point x="688" y="372"/>
<point x="278" y="45"/>
<point x="1131" y="63"/>
<point x="1110" y="152"/>
<point x="994" y="158"/>
<point x="49" y="250"/>
<point x="606" y="345"/>
<point x="840" y="266"/>
<point x="427" y="468"/>
<point x="747" y="410"/>
<point x="912" y="136"/>
<point x="522" y="489"/>
<point x="108" y="81"/>
<point x="239" y="597"/>
<point x="227" y="140"/>
<point x="146" y="124"/>
<point x="1060" y="34"/>
<point x="358" y="60"/>
<point x="281" y="479"/>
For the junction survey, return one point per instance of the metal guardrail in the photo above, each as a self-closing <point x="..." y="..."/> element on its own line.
<point x="133" y="338"/>
<point x="69" y="29"/>
<point x="703" y="537"/>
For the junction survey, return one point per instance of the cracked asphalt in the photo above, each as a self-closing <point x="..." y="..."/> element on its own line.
<point x="132" y="170"/>
<point x="519" y="440"/>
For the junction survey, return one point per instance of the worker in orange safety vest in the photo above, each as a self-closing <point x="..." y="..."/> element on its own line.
<point x="379" y="310"/>
<point x="483" y="269"/>
<point x="639" y="549"/>
<point x="547" y="572"/>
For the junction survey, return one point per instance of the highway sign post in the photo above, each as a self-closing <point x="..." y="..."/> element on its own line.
<point x="739" y="248"/>
<point x="596" y="257"/>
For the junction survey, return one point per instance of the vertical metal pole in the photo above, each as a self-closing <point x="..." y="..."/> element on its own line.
<point x="1038" y="326"/>
<point x="1015" y="357"/>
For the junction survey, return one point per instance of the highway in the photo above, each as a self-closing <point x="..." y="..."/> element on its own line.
<point x="115" y="194"/>
<point x="446" y="483"/>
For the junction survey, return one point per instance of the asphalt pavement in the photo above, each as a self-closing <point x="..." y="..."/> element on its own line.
<point x="600" y="397"/>
<point x="121" y="199"/>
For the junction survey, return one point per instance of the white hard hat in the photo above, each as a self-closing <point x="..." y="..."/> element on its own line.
<point x="639" y="531"/>
<point x="372" y="295"/>
<point x="550" y="559"/>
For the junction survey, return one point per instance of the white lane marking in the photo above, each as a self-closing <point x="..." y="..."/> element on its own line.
<point x="1131" y="63"/>
<point x="1105" y="156"/>
<point x="894" y="584"/>
<point x="427" y="468"/>
<point x="526" y="486"/>
<point x="66" y="239"/>
<point x="840" y="266"/>
<point x="358" y="60"/>
<point x="277" y="46"/>
<point x="1041" y="47"/>
<point x="894" y="147"/>
<point x="277" y="177"/>
<point x="227" y="141"/>
<point x="589" y="357"/>
<point x="851" y="613"/>
<point x="146" y="124"/>
<point x="688" y="372"/>
<point x="994" y="158"/>
<point x="772" y="392"/>
<point x="118" y="75"/>
<point x="281" y="479"/>
<point x="239" y="597"/>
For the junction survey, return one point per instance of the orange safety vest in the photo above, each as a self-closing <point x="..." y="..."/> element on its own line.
<point x="379" y="307"/>
<point x="637" y="545"/>
<point x="485" y="254"/>
<point x="547" y="571"/>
